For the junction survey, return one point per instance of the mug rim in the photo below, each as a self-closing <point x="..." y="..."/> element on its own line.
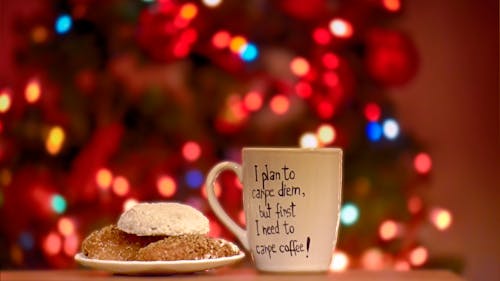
<point x="292" y="149"/>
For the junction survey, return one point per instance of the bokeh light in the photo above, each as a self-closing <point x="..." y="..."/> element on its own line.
<point x="237" y="43"/>
<point x="253" y="101"/>
<point x="422" y="163"/>
<point x="341" y="28"/>
<point x="330" y="61"/>
<point x="440" y="218"/>
<point x="392" y="5"/>
<point x="373" y="259"/>
<point x="129" y="203"/>
<point x="340" y="261"/>
<point x="121" y="186"/>
<point x="26" y="240"/>
<point x="303" y="89"/>
<point x="63" y="24"/>
<point x="325" y="109"/>
<point x="5" y="100"/>
<point x="279" y="104"/>
<point x="39" y="34"/>
<point x="33" y="91"/>
<point x="249" y="52"/>
<point x="66" y="226"/>
<point x="322" y="36"/>
<point x="401" y="265"/>
<point x="326" y="134"/>
<point x="330" y="79"/>
<point x="215" y="229"/>
<point x="414" y="204"/>
<point x="390" y="128"/>
<point x="418" y="256"/>
<point x="299" y="66"/>
<point x="58" y="203"/>
<point x="191" y="151"/>
<point x="388" y="230"/>
<point x="104" y="178"/>
<point x="212" y="3"/>
<point x="349" y="214"/>
<point x="52" y="244"/>
<point x="372" y="112"/>
<point x="374" y="131"/>
<point x="71" y="245"/>
<point x="188" y="11"/>
<point x="166" y="186"/>
<point x="308" y="140"/>
<point x="194" y="178"/>
<point x="55" y="140"/>
<point x="221" y="39"/>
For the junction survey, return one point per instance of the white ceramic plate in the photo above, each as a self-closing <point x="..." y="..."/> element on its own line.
<point x="156" y="267"/>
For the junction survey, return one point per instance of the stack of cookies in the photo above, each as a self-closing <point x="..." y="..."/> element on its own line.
<point x="157" y="232"/>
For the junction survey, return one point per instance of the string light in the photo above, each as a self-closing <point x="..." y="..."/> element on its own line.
<point x="58" y="203"/>
<point x="341" y="28"/>
<point x="349" y="214"/>
<point x="372" y="112"/>
<point x="52" y="244"/>
<point x="373" y="131"/>
<point x="392" y="5"/>
<point x="104" y="178"/>
<point x="422" y="163"/>
<point x="340" y="261"/>
<point x="249" y="52"/>
<point x="373" y="259"/>
<point x="279" y="104"/>
<point x="391" y="129"/>
<point x="129" y="203"/>
<point x="66" y="226"/>
<point x="388" y="230"/>
<point x="418" y="256"/>
<point x="299" y="66"/>
<point x="63" y="24"/>
<point x="5" y="100"/>
<point x="221" y="39"/>
<point x="191" y="151"/>
<point x="326" y="134"/>
<point x="308" y="140"/>
<point x="303" y="89"/>
<point x="194" y="178"/>
<point x="212" y="3"/>
<point x="121" y="186"/>
<point x="441" y="218"/>
<point x="322" y="36"/>
<point x="55" y="140"/>
<point x="253" y="101"/>
<point x="32" y="91"/>
<point x="166" y="186"/>
<point x="330" y="61"/>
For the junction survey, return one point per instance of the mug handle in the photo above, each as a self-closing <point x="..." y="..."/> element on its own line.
<point x="240" y="233"/>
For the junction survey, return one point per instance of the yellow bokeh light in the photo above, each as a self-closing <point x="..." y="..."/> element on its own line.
<point x="32" y="92"/>
<point x="326" y="134"/>
<point x="237" y="43"/>
<point x="5" y="100"/>
<point x="388" y="230"/>
<point x="441" y="218"/>
<point x="166" y="186"/>
<point x="55" y="140"/>
<point x="299" y="66"/>
<point x="121" y="186"/>
<point x="66" y="226"/>
<point x="188" y="11"/>
<point x="418" y="256"/>
<point x="103" y="178"/>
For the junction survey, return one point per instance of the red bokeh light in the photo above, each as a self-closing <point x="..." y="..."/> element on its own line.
<point x="372" y="112"/>
<point x="422" y="163"/>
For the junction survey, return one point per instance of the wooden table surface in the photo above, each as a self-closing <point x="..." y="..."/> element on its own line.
<point x="240" y="274"/>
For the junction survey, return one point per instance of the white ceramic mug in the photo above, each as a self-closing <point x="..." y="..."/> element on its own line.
<point x="291" y="200"/>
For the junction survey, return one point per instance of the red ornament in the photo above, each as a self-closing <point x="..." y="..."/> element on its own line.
<point x="391" y="57"/>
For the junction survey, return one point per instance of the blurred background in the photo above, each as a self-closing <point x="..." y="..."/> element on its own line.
<point x="107" y="103"/>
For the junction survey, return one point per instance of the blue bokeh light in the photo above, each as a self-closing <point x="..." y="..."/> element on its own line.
<point x="249" y="53"/>
<point x="194" y="178"/>
<point x="26" y="241"/>
<point x="349" y="214"/>
<point x="63" y="24"/>
<point x="373" y="131"/>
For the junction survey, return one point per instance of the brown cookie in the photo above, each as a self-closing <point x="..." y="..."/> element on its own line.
<point x="186" y="247"/>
